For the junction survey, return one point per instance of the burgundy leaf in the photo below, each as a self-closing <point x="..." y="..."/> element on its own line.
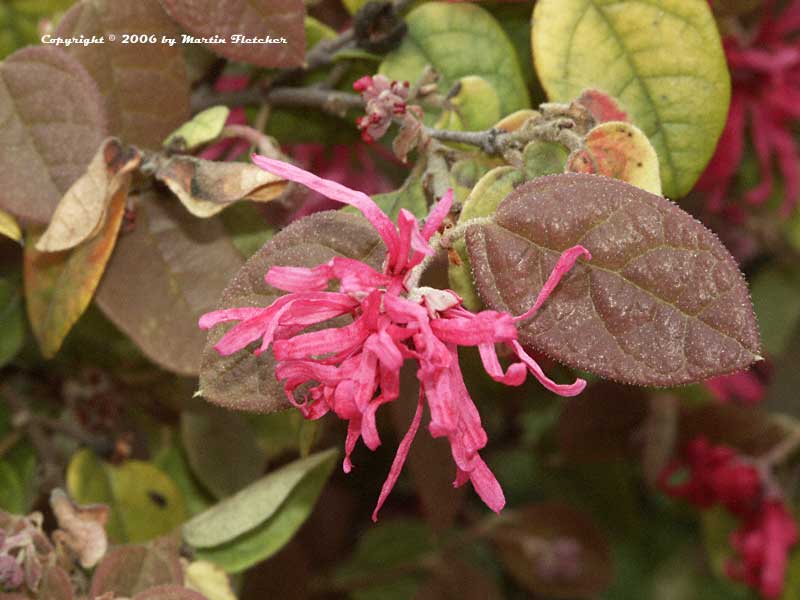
<point x="661" y="302"/>
<point x="243" y="381"/>
<point x="128" y="570"/>
<point x="52" y="124"/>
<point x="144" y="85"/>
<point x="251" y="18"/>
<point x="162" y="276"/>
<point x="169" y="592"/>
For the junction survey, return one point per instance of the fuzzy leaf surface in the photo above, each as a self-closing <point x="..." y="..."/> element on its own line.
<point x="243" y="381"/>
<point x="662" y="302"/>
<point x="53" y="121"/>
<point x="144" y="85"/>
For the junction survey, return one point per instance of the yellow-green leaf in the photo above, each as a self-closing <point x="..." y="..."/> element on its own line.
<point x="9" y="226"/>
<point x="663" y="61"/>
<point x="145" y="503"/>
<point x="619" y="150"/>
<point x="476" y="106"/>
<point x="459" y="40"/>
<point x="60" y="285"/>
<point x="204" y="127"/>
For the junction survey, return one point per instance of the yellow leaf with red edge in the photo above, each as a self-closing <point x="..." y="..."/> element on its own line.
<point x="619" y="150"/>
<point x="60" y="285"/>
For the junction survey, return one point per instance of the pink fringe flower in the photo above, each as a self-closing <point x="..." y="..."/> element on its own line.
<point x="384" y="99"/>
<point x="717" y="475"/>
<point x="766" y="101"/>
<point x="355" y="369"/>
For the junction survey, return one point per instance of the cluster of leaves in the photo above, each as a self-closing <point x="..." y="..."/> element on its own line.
<point x="130" y="235"/>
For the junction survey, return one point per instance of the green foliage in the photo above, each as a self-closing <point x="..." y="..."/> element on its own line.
<point x="661" y="59"/>
<point x="12" y="320"/>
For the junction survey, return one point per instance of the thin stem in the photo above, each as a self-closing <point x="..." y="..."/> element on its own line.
<point x="332" y="101"/>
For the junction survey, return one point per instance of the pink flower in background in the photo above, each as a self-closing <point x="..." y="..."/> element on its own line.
<point x="355" y="369"/>
<point x="745" y="388"/>
<point x="717" y="475"/>
<point x="765" y="102"/>
<point x="350" y="164"/>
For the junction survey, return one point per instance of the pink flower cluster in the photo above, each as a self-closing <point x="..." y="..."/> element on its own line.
<point x="355" y="369"/>
<point x="766" y="100"/>
<point x="383" y="99"/>
<point x="767" y="531"/>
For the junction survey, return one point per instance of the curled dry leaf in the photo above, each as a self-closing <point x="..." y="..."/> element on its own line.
<point x="206" y="187"/>
<point x="82" y="528"/>
<point x="661" y="302"/>
<point x="619" y="150"/>
<point x="82" y="211"/>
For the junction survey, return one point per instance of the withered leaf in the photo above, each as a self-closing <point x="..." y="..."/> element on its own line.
<point x="145" y="86"/>
<point x="163" y="275"/>
<point x="619" y="150"/>
<point x="206" y="187"/>
<point x="662" y="302"/>
<point x="60" y="285"/>
<point x="81" y="213"/>
<point x="243" y="381"/>
<point x="252" y="19"/>
<point x="9" y="227"/>
<point x="53" y="121"/>
<point x="83" y="528"/>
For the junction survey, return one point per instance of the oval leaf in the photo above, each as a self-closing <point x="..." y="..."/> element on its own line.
<point x="127" y="570"/>
<point x="204" y="127"/>
<point x="249" y="18"/>
<point x="164" y="274"/>
<point x="619" y="150"/>
<point x="144" y="501"/>
<point x="662" y="302"/>
<point x="53" y="121"/>
<point x="661" y="59"/>
<point x="253" y="505"/>
<point x="271" y="535"/>
<point x="243" y="381"/>
<point x="59" y="286"/>
<point x="459" y="40"/>
<point x="145" y="86"/>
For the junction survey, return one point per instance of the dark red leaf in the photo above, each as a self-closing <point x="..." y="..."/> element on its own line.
<point x="662" y="302"/>
<point x="52" y="124"/>
<point x="251" y="18"/>
<point x="243" y="381"/>
<point x="128" y="570"/>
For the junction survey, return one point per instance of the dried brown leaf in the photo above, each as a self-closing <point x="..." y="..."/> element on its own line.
<point x="251" y="18"/>
<point x="53" y="121"/>
<point x="82" y="528"/>
<point x="206" y="187"/>
<point x="144" y="85"/>
<point x="81" y="213"/>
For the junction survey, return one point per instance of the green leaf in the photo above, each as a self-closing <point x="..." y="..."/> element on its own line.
<point x="12" y="320"/>
<point x="204" y="127"/>
<point x="215" y="439"/>
<point x="483" y="201"/>
<point x="47" y="96"/>
<point x="264" y="516"/>
<point x="410" y="196"/>
<point x="663" y="61"/>
<point x="144" y="501"/>
<point x="12" y="496"/>
<point x="383" y="547"/>
<point x="316" y="31"/>
<point x="19" y="21"/>
<point x="172" y="461"/>
<point x="775" y="292"/>
<point x="247" y="227"/>
<point x="665" y="306"/>
<point x="475" y="107"/>
<point x="459" y="40"/>
<point x="544" y="158"/>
